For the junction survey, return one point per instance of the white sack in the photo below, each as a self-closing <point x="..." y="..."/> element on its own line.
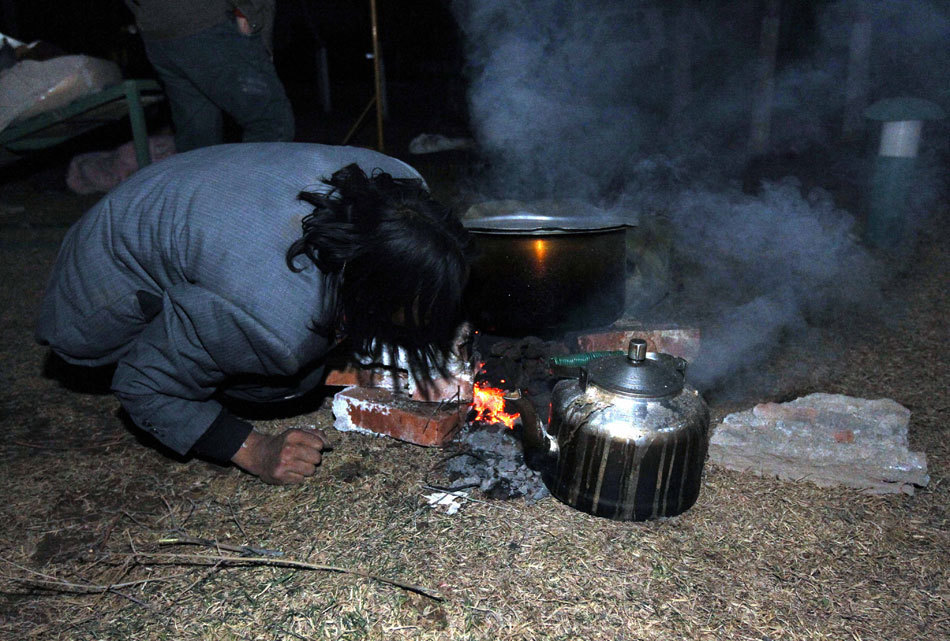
<point x="31" y="87"/>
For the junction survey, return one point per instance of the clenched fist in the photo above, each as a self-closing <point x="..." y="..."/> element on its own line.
<point x="282" y="459"/>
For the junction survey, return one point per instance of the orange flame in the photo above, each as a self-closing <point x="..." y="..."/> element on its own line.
<point x="489" y="405"/>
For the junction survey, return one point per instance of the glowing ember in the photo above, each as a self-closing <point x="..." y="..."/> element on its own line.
<point x="489" y="405"/>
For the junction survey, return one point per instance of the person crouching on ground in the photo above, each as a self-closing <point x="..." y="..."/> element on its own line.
<point x="231" y="270"/>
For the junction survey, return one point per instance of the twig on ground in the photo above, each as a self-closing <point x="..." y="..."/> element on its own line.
<point x="122" y="572"/>
<point x="203" y="577"/>
<point x="54" y="583"/>
<point x="210" y="559"/>
<point x="191" y="511"/>
<point x="136" y="521"/>
<point x="235" y="519"/>
<point x="243" y="550"/>
<point x="176" y="526"/>
<point x="147" y="606"/>
<point x="64" y="447"/>
<point x="108" y="534"/>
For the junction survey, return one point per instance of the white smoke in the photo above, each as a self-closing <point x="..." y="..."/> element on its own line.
<point x="574" y="99"/>
<point x="552" y="91"/>
<point x="766" y="265"/>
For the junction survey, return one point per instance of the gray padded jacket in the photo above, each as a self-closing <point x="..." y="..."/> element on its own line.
<point x="179" y="276"/>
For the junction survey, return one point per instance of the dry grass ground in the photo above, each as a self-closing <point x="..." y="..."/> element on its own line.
<point x="84" y="505"/>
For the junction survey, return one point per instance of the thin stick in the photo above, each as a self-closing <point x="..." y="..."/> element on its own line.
<point x="203" y="577"/>
<point x="210" y="559"/>
<point x="54" y="582"/>
<point x="171" y="514"/>
<point x="136" y="521"/>
<point x="244" y="550"/>
<point x="359" y="121"/>
<point x="108" y="534"/>
<point x="59" y="447"/>
<point x="122" y="572"/>
<point x="235" y="519"/>
<point x="111" y="588"/>
<point x="131" y="598"/>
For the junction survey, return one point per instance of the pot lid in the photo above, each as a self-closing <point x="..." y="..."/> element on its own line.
<point x="638" y="374"/>
<point x="542" y="216"/>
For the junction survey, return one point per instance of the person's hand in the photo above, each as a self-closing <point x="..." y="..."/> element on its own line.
<point x="282" y="459"/>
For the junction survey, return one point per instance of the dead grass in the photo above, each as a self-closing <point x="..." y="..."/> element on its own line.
<point x="85" y="504"/>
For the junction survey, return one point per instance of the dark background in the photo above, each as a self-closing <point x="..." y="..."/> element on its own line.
<point x="423" y="53"/>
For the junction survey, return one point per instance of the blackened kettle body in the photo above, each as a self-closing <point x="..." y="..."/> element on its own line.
<point x="626" y="441"/>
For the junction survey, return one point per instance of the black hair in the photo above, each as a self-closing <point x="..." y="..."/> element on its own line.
<point x="400" y="252"/>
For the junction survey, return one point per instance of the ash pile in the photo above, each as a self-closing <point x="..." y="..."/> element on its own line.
<point x="490" y="455"/>
<point x="491" y="458"/>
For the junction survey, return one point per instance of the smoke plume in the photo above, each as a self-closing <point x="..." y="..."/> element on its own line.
<point x="647" y="105"/>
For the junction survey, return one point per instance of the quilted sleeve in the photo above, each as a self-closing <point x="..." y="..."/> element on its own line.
<point x="196" y="343"/>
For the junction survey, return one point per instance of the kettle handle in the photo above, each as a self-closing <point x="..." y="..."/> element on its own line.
<point x="573" y="365"/>
<point x="539" y="447"/>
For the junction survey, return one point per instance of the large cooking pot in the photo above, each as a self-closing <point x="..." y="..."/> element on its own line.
<point x="545" y="267"/>
<point x="626" y="441"/>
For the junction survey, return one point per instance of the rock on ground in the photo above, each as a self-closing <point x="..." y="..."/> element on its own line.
<point x="828" y="439"/>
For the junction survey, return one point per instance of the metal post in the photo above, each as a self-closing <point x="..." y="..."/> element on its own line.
<point x="133" y="100"/>
<point x="894" y="168"/>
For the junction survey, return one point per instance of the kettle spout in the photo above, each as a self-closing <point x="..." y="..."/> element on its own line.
<point x="540" y="450"/>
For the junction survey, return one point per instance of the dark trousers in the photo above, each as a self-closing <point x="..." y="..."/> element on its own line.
<point x="221" y="70"/>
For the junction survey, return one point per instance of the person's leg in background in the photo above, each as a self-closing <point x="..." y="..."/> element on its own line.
<point x="239" y="76"/>
<point x="197" y="119"/>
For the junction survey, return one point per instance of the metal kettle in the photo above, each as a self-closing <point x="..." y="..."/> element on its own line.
<point x="627" y="440"/>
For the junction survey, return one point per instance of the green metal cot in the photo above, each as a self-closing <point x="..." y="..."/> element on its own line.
<point x="50" y="128"/>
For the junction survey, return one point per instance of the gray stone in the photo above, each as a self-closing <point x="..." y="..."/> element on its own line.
<point x="828" y="439"/>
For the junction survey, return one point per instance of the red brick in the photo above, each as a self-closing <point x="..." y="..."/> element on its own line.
<point x="676" y="341"/>
<point x="369" y="376"/>
<point x="344" y="376"/>
<point x="379" y="411"/>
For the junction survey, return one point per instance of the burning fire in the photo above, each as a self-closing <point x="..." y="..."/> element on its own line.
<point x="489" y="405"/>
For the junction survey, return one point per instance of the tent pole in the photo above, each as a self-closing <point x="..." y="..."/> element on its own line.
<point x="378" y="74"/>
<point x="378" y="79"/>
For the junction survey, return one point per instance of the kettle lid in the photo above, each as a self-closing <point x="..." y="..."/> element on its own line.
<point x="638" y="374"/>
